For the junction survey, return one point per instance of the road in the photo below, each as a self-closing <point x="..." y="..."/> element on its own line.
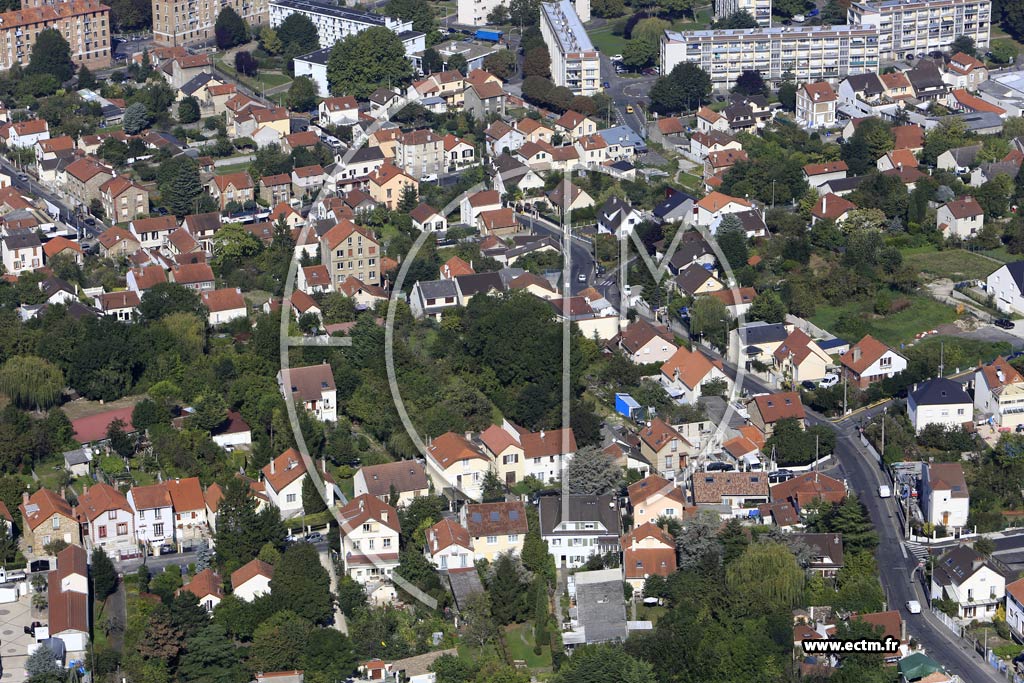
<point x="67" y="213"/>
<point x="159" y="563"/>
<point x="581" y="260"/>
<point x="625" y="92"/>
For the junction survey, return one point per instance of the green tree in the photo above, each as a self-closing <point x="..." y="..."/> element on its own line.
<point x="230" y="29"/>
<point x="113" y="151"/>
<point x="709" y="319"/>
<point x="963" y="44"/>
<point x="537" y="62"/>
<point x="167" y="298"/>
<point x="502" y="64"/>
<point x="734" y="540"/>
<point x="31" y="382"/>
<point x="458" y="63"/>
<point x="136" y="118"/>
<point x="732" y="240"/>
<point x="640" y="52"/>
<point x="850" y="518"/>
<point x="241" y="531"/>
<point x="766" y="577"/>
<point x="741" y="19"/>
<point x="302" y="94"/>
<point x="832" y="14"/>
<point x="270" y="41"/>
<point x="601" y="663"/>
<point x="432" y="61"/>
<point x="592" y="471"/>
<point x="787" y="95"/>
<point x="278" y="643"/>
<point x="188" y="110"/>
<point x="312" y="501"/>
<point x="750" y="83"/>
<point x="768" y="307"/>
<point x="419" y="13"/>
<point x="361" y="63"/>
<point x="85" y="78"/>
<point x="351" y="596"/>
<point x="181" y="191"/>
<point x="211" y="657"/>
<point x="301" y="583"/>
<point x="950" y="133"/>
<point x="507" y="587"/>
<point x="42" y="667"/>
<point x="104" y="576"/>
<point x="328" y="656"/>
<point x="686" y="87"/>
<point x="51" y="54"/>
<point x="1003" y="51"/>
<point x="298" y="34"/>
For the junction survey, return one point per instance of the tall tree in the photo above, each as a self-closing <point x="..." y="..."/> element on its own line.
<point x="592" y="471"/>
<point x="686" y="87"/>
<point x="361" y="63"/>
<point x="104" y="576"/>
<point x="230" y="29"/>
<point x="188" y="109"/>
<point x="42" y="667"/>
<point x="301" y="583"/>
<point x="136" y="118"/>
<point x="182" y="191"/>
<point x="698" y="543"/>
<point x="750" y="82"/>
<point x="211" y="657"/>
<point x="31" y="382"/>
<point x="768" y="307"/>
<point x="419" y="13"/>
<point x="299" y="32"/>
<point x="312" y="501"/>
<point x="732" y="240"/>
<point x="963" y="44"/>
<point x="238" y="535"/>
<point x="278" y="643"/>
<point x="507" y="586"/>
<point x="302" y="94"/>
<point x="51" y="54"/>
<point x="766" y="577"/>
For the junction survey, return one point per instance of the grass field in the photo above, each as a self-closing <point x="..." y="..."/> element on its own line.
<point x="610" y="44"/>
<point x="519" y="641"/>
<point x="955" y="264"/>
<point x="264" y="79"/>
<point x="923" y="314"/>
<point x="232" y="168"/>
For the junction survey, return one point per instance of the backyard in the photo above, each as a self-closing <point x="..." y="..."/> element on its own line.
<point x="263" y="79"/>
<point x="922" y="314"/>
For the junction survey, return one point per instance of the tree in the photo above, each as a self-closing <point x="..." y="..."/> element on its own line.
<point x="409" y="199"/>
<point x="302" y="94"/>
<point x="732" y="240"/>
<point x="698" y="543"/>
<point x="1003" y="52"/>
<point x="241" y="531"/>
<point x="480" y="623"/>
<point x="608" y="9"/>
<point x="301" y="584"/>
<point x="507" y="586"/>
<point x="432" y="61"/>
<point x="502" y="64"/>
<point x="181" y="191"/>
<point x="850" y="518"/>
<point x="270" y="41"/>
<point x="499" y="15"/>
<point x="42" y="667"/>
<point x="768" y="307"/>
<point x="686" y="87"/>
<point x="951" y="132"/>
<point x="766" y="578"/>
<point x="136" y="118"/>
<point x="278" y="643"/>
<point x="787" y="95"/>
<point x="31" y="382"/>
<point x="963" y="44"/>
<point x="211" y="657"/>
<point x="537" y="62"/>
<point x="120" y="441"/>
<point x="167" y="298"/>
<point x="419" y="13"/>
<point x="789" y="8"/>
<point x="524" y="12"/>
<point x="246" y="64"/>
<point x="360" y="63"/>
<point x="734" y="540"/>
<point x="640" y="52"/>
<point x="312" y="501"/>
<point x="230" y="29"/>
<point x="832" y="14"/>
<point x="328" y="656"/>
<point x="601" y="663"/>
<point x="591" y="471"/>
<point x="458" y="63"/>
<point x="104" y="576"/>
<point x="750" y="83"/>
<point x="85" y="78"/>
<point x="188" y="110"/>
<point x="741" y="19"/>
<point x="297" y="33"/>
<point x="709" y="320"/>
<point x="51" y="54"/>
<point x="351" y="596"/>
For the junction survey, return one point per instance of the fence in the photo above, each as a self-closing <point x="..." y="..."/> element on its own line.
<point x="948" y="622"/>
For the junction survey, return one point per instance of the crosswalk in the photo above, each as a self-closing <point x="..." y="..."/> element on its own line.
<point x="918" y="550"/>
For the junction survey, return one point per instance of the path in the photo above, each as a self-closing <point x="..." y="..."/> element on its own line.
<point x="339" y="617"/>
<point x="116" y="608"/>
<point x="942" y="290"/>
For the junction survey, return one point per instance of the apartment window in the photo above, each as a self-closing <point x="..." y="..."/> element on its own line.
<point x="290" y="498"/>
<point x="491" y="540"/>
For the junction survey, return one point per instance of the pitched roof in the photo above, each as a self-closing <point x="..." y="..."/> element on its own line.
<point x="342" y="231"/>
<point x="99" y="499"/>
<point x="690" y="367"/>
<point x="910" y="136"/>
<point x="41" y="506"/>
<point x="715" y="201"/>
<point x="309" y="382"/>
<point x="495" y="219"/>
<point x="832" y="206"/>
<point x="999" y="373"/>
<point x="284" y="469"/>
<point x="86" y="169"/>
<point x="154" y="224"/>
<point x="804" y="488"/>
<point x="204" y="584"/>
<point x="386" y="173"/>
<point x="863" y="354"/>
<point x="939" y="391"/>
<point x="638" y="333"/>
<point x="251" y="570"/>
<point x="484" y="198"/>
<point x="820" y="92"/>
<point x="455" y="266"/>
<point x="895" y="80"/>
<point x="493" y="519"/>
<point x="902" y="158"/>
<point x="639" y="563"/>
<point x="404" y="475"/>
<point x="94" y="427"/>
<point x="962" y="63"/>
<point x="709" y="487"/>
<point x="150" y="497"/>
<point x="445" y="534"/>
<point x="423" y="212"/>
<point x="109" y="301"/>
<point x="827" y="167"/>
<point x="775" y="407"/>
<point x="958" y="565"/>
<point x="192" y="273"/>
<point x="219" y="300"/>
<point x="364" y="508"/>
<point x="654" y="485"/>
<point x="68" y="609"/>
<point x="657" y="434"/>
<point x="948" y="476"/>
<point x="239" y="181"/>
<point x="972" y="103"/>
<point x="709" y="115"/>
<point x="186" y="494"/>
<point x="797" y="346"/>
<point x="450" y="448"/>
<point x="59" y="244"/>
<point x="965" y="207"/>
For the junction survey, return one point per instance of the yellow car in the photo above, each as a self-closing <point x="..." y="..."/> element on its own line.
<point x="629" y="108"/>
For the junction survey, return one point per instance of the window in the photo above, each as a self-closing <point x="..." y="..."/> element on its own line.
<point x="158" y="513"/>
<point x="112" y="514"/>
<point x="55" y="522"/>
<point x="158" y="529"/>
<point x="387" y="542"/>
<point x="366" y="528"/>
<point x="122" y="529"/>
<point x="101" y="531"/>
<point x="513" y="538"/>
<point x="491" y="540"/>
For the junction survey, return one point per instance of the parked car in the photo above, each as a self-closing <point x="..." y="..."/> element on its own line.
<point x="830" y="380"/>
<point x="167" y="549"/>
<point x="616" y="58"/>
<point x="719" y="467"/>
<point x="884" y="491"/>
<point x="808" y="385"/>
<point x="314" y="537"/>
<point x="1004" y="323"/>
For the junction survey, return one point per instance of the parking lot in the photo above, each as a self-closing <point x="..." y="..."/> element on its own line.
<point x="14" y="642"/>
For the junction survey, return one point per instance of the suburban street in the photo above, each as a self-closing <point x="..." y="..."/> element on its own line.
<point x="581" y="260"/>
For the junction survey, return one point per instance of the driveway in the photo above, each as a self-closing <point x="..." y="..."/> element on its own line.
<point x="14" y="642"/>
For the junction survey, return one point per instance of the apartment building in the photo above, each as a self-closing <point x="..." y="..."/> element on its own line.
<point x="85" y="24"/>
<point x="182" y="22"/>
<point x="809" y="53"/>
<point x="575" y="62"/>
<point x="759" y="9"/>
<point x="349" y="250"/>
<point x="420" y="153"/>
<point x="333" y="22"/>
<point x="909" y="28"/>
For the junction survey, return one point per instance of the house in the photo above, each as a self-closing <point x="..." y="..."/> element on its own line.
<point x="107" y="521"/>
<point x="314" y="280"/>
<point x="47" y="517"/>
<point x="458" y="153"/>
<point x="25" y="134"/>
<point x="503" y="138"/>
<point x="927" y="80"/>
<point x="962" y="217"/>
<point x="151" y="233"/>
<point x="717" y="163"/>
<point x="737" y="300"/>
<point x="405" y="479"/>
<point x="799" y="358"/>
<point x="708" y="120"/>
<point x="898" y="159"/>
<point x="313" y="387"/>
<point x="453" y="462"/>
<point x="767" y="409"/>
<point x="350" y="250"/>
<point x="654" y="497"/>
<point x="567" y="197"/>
<point x="617" y="217"/>
<point x="756" y="341"/>
<point x="449" y="545"/>
<point x="816" y="105"/>
<point x="676" y="207"/>
<point x="869" y="361"/>
<point x="252" y="580"/>
<point x="77" y="462"/>
<point x="686" y="372"/>
<point x="455" y="267"/>
<point x="197" y="276"/>
<point x="116" y="241"/>
<point x="939" y="401"/>
<point x="959" y="159"/>
<point x="716" y="204"/>
<point x="58" y="292"/>
<point x="224" y="305"/>
<point x="517" y="453"/>
<point x="964" y="576"/>
<point x="202" y="227"/>
<point x="702" y="144"/>
<point x="428" y="219"/>
<point x="483" y="100"/>
<point x="578" y="527"/>
<point x="999" y="393"/>
<point x="141" y="280"/>
<point x="826" y="552"/>
<point x="495" y="528"/>
<point x="737" y="490"/>
<point x="236" y="188"/>
<point x="67" y="598"/>
<point x="534" y="131"/>
<point x="804" y="489"/>
<point x="647" y="550"/>
<point x="206" y="586"/>
<point x="643" y="342"/>
<point x="664" y="448"/>
<point x="233" y="432"/>
<point x="600" y="614"/>
<point x="182" y="246"/>
<point x="472" y="206"/>
<point x="123" y="200"/>
<point x="369" y="539"/>
<point x="189" y="510"/>
<point x="431" y="297"/>
<point x="574" y="125"/>
<point x="945" y="499"/>
<point x="22" y="252"/>
<point x="154" y="515"/>
<point x="388" y="183"/>
<point x="962" y="101"/>
<point x="1006" y="286"/>
<point x="919" y="667"/>
<point x="1015" y="607"/>
<point x="831" y="207"/>
<point x="498" y="222"/>
<point x="92" y="430"/>
<point x="274" y="189"/>
<point x="339" y="111"/>
<point x="420" y="153"/>
<point x="819" y="174"/>
<point x="964" y="71"/>
<point x="896" y="86"/>
<point x="283" y="478"/>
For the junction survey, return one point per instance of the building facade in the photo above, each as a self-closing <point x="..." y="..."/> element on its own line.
<point x="910" y="27"/>
<point x="192" y="21"/>
<point x="759" y="9"/>
<point x="333" y="23"/>
<point x="85" y="24"/>
<point x="575" y="62"/>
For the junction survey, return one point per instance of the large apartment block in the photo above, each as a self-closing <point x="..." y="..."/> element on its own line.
<point x="183" y="22"/>
<point x="333" y="22"/>
<point x="575" y="62"/>
<point x="759" y="9"/>
<point x="85" y="24"/>
<point x="809" y="53"/>
<point x="474" y="12"/>
<point x="912" y="27"/>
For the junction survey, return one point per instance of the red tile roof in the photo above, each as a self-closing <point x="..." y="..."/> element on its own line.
<point x="99" y="499"/>
<point x="94" y="427"/>
<point x="450" y="448"/>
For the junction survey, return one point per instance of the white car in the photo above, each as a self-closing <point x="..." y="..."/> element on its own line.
<point x="830" y="380"/>
<point x="884" y="491"/>
<point x="913" y="606"/>
<point x="616" y="58"/>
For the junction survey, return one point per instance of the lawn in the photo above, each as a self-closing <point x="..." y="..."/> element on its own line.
<point x="232" y="168"/>
<point x="924" y="313"/>
<point x="347" y="487"/>
<point x="955" y="264"/>
<point x="605" y="42"/>
<point x="519" y="638"/>
<point x="264" y="79"/>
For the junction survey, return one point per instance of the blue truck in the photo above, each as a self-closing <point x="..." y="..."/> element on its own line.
<point x="489" y="36"/>
<point x="626" y="405"/>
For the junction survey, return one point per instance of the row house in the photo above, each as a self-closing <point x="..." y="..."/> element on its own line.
<point x="123" y="200"/>
<point x="107" y="521"/>
<point x="369" y="530"/>
<point x="517" y="453"/>
<point x="349" y="250"/>
<point x="82" y="179"/>
<point x="420" y="153"/>
<point x="231" y="187"/>
<point x="283" y="479"/>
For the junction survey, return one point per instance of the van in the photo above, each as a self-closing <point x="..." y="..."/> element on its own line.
<point x="884" y="491"/>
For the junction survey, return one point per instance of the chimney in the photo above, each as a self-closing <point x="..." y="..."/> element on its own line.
<point x="273" y="466"/>
<point x="899" y="165"/>
<point x="824" y="205"/>
<point x="1000" y="376"/>
<point x="856" y="353"/>
<point x="85" y="490"/>
<point x="24" y="497"/>
<point x="903" y="630"/>
<point x="542" y="435"/>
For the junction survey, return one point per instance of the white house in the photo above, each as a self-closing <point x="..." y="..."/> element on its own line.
<point x="999" y="393"/>
<point x="107" y="521"/>
<point x="369" y="539"/>
<point x="869" y="361"/>
<point x="645" y="343"/>
<point x="617" y="217"/>
<point x="1015" y="607"/>
<point x="582" y="527"/>
<point x="189" y="503"/>
<point x="338" y="111"/>
<point x="252" y="580"/>
<point x="283" y="478"/>
<point x="963" y="217"/>
<point x="945" y="498"/>
<point x="716" y="204"/>
<point x="454" y="462"/>
<point x="67" y="592"/>
<point x="683" y="374"/>
<point x="154" y="515"/>
<point x="964" y="576"/>
<point x="816" y="105"/>
<point x="449" y="545"/>
<point x="313" y="388"/>
<point x="939" y="401"/>
<point x="206" y="586"/>
<point x="405" y="478"/>
<point x="1006" y="285"/>
<point x="25" y="134"/>
<point x="22" y="252"/>
<point x="224" y="305"/>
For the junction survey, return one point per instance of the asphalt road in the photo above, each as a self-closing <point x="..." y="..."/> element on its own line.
<point x="625" y="92"/>
<point x="581" y="262"/>
<point x="67" y="213"/>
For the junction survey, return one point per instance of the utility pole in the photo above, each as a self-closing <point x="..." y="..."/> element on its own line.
<point x="942" y="357"/>
<point x="844" y="394"/>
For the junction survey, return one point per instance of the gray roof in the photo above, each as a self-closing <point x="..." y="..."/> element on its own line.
<point x="317" y="56"/>
<point x="478" y="283"/>
<point x="22" y="240"/>
<point x="979" y="120"/>
<point x="958" y="565"/>
<point x="366" y="153"/>
<point x="79" y="456"/>
<point x="437" y="289"/>
<point x="761" y="332"/>
<point x="751" y="221"/>
<point x="992" y="169"/>
<point x="845" y="184"/>
<point x="196" y="83"/>
<point x="581" y="509"/>
<point x="965" y="156"/>
<point x="622" y="135"/>
<point x="939" y="391"/>
<point x="926" y="76"/>
<point x="671" y="203"/>
<point x="601" y="605"/>
<point x="691" y="247"/>
<point x="464" y="584"/>
<point x="507" y="275"/>
<point x="869" y="84"/>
